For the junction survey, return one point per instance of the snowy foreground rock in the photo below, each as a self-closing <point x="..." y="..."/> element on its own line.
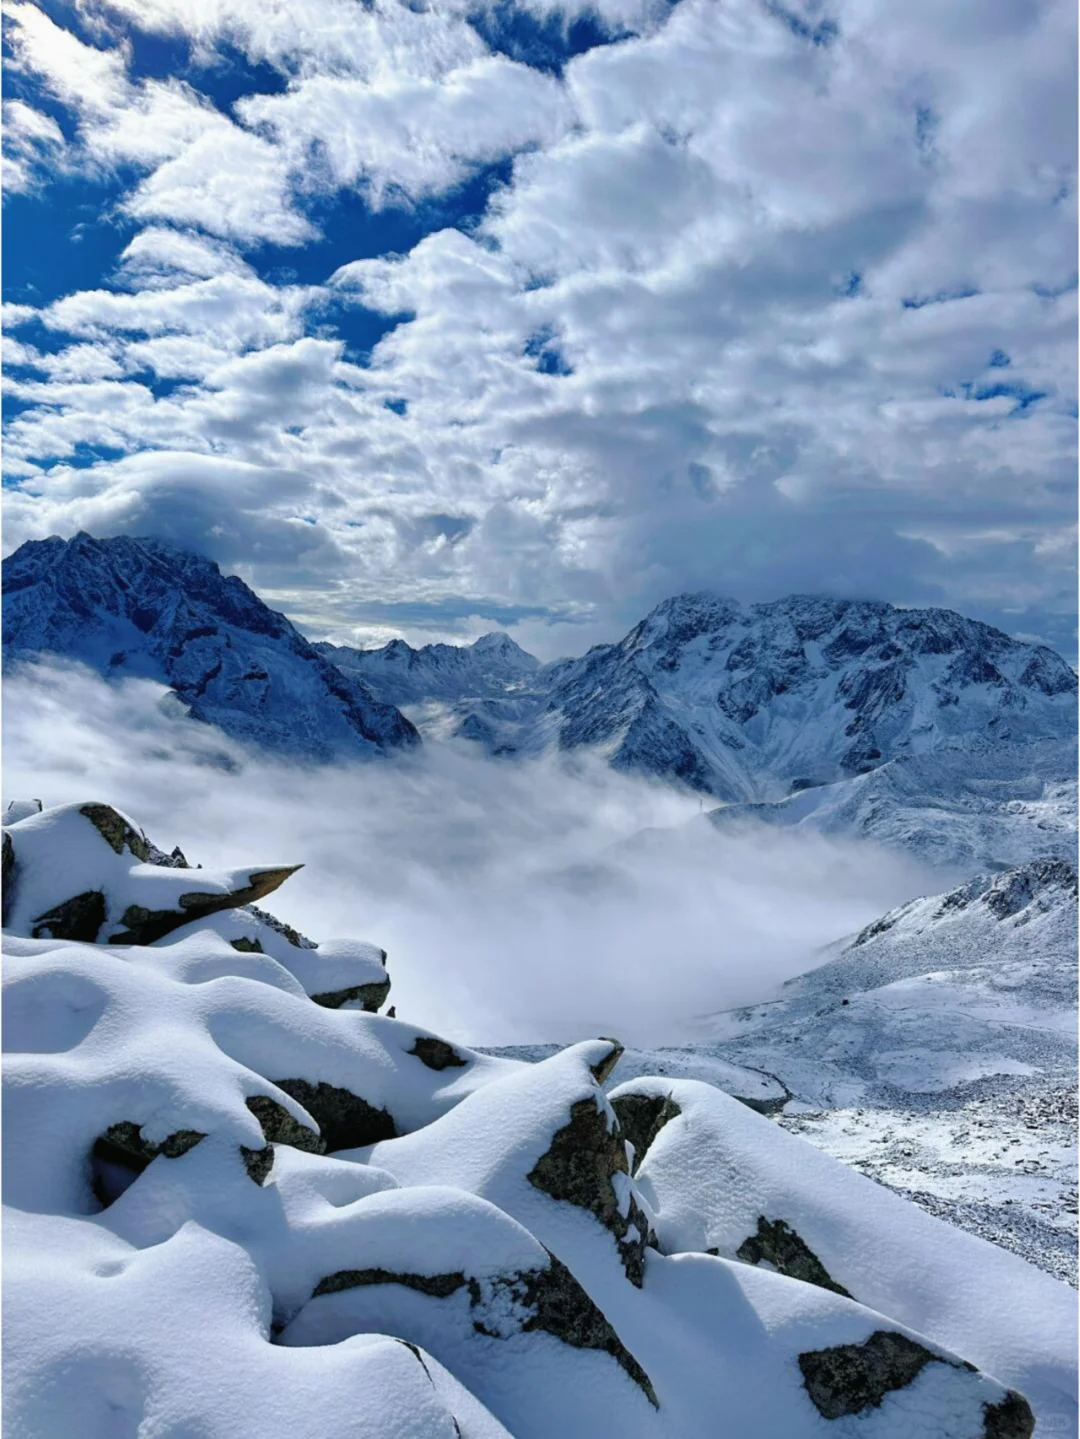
<point x="241" y="1202"/>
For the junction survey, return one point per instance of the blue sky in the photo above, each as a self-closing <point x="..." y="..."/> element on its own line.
<point x="429" y="319"/>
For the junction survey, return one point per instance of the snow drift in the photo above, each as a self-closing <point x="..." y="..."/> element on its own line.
<point x="242" y="1202"/>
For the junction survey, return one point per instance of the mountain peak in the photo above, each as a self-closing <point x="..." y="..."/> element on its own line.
<point x="143" y="607"/>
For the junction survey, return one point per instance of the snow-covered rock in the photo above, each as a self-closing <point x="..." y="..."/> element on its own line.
<point x="141" y="607"/>
<point x="235" y="1212"/>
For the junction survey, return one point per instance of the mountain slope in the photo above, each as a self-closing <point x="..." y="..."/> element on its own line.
<point x="140" y="607"/>
<point x="489" y="667"/>
<point x="754" y="704"/>
<point x="936" y="1051"/>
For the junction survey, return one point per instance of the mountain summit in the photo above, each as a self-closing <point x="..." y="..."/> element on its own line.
<point x="754" y="703"/>
<point x="490" y="666"/>
<point x="141" y="607"/>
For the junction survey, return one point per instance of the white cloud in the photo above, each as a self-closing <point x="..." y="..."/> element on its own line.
<point x="675" y="351"/>
<point x="515" y="902"/>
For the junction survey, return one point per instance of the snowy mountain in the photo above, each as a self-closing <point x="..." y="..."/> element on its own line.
<point x="937" y="1051"/>
<point x="754" y="704"/>
<point x="974" y="803"/>
<point x="141" y="607"/>
<point x="490" y="667"/>
<point x="233" y="1211"/>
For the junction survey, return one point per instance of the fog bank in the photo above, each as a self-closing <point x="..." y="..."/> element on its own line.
<point x="519" y="902"/>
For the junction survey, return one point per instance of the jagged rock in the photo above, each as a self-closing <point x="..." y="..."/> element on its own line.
<point x="436" y="1053"/>
<point x="369" y="996"/>
<point x="641" y="1118"/>
<point x="280" y="1127"/>
<point x="776" y="1243"/>
<point x="547" y="1299"/>
<point x="79" y="917"/>
<point x="122" y="1147"/>
<point x="144" y="926"/>
<point x="579" y="1168"/>
<point x="116" y="831"/>
<point x="852" y="1378"/>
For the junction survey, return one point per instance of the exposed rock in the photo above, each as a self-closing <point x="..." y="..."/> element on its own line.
<point x="247" y="946"/>
<point x="345" y="1120"/>
<point x="280" y="1127"/>
<point x="776" y="1243"/>
<point x="79" y="917"/>
<point x="603" y="1068"/>
<point x="1011" y="1419"/>
<point x="144" y="926"/>
<point x="579" y="1168"/>
<point x="436" y="1053"/>
<point x="258" y="1162"/>
<point x="123" y="1147"/>
<point x="548" y="1299"/>
<point x="438" y="1286"/>
<point x="116" y="831"/>
<point x="370" y="996"/>
<point x="854" y="1377"/>
<point x="8" y="874"/>
<point x="641" y="1118"/>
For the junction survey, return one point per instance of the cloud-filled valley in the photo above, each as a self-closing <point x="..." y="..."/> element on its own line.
<point x="518" y="902"/>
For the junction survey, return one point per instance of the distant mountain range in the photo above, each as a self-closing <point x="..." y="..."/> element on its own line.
<point x="750" y="705"/>
<point x="140" y="607"/>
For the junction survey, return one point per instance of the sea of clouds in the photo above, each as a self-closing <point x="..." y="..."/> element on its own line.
<point x="520" y="902"/>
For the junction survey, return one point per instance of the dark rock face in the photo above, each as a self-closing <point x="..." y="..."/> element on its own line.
<point x="578" y="1168"/>
<point x="121" y="1154"/>
<point x="79" y="917"/>
<point x="548" y="1299"/>
<point x="280" y="1127"/>
<point x="370" y="996"/>
<point x="127" y="606"/>
<point x="345" y="1120"/>
<point x="116" y="832"/>
<point x="1011" y="1419"/>
<point x="854" y="1377"/>
<point x="776" y="1243"/>
<point x="1011" y="893"/>
<point x="641" y="1118"/>
<point x="258" y="1162"/>
<point x="436" y="1053"/>
<point x="8" y="874"/>
<point x="144" y="926"/>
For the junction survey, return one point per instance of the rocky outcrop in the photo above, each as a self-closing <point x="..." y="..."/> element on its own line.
<point x="396" y="1195"/>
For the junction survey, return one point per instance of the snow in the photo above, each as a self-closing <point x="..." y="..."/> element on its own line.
<point x="495" y="1267"/>
<point x="139" y="607"/>
<point x="717" y="1167"/>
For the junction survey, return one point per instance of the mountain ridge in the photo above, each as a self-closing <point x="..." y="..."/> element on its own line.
<point x="144" y="608"/>
<point x="749" y="704"/>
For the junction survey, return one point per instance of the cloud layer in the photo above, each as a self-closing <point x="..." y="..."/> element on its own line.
<point x="755" y="297"/>
<point x="519" y="903"/>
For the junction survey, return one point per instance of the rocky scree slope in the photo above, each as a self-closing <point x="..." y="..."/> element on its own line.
<point x="239" y="1203"/>
<point x="937" y="1052"/>
<point x="140" y="607"/>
